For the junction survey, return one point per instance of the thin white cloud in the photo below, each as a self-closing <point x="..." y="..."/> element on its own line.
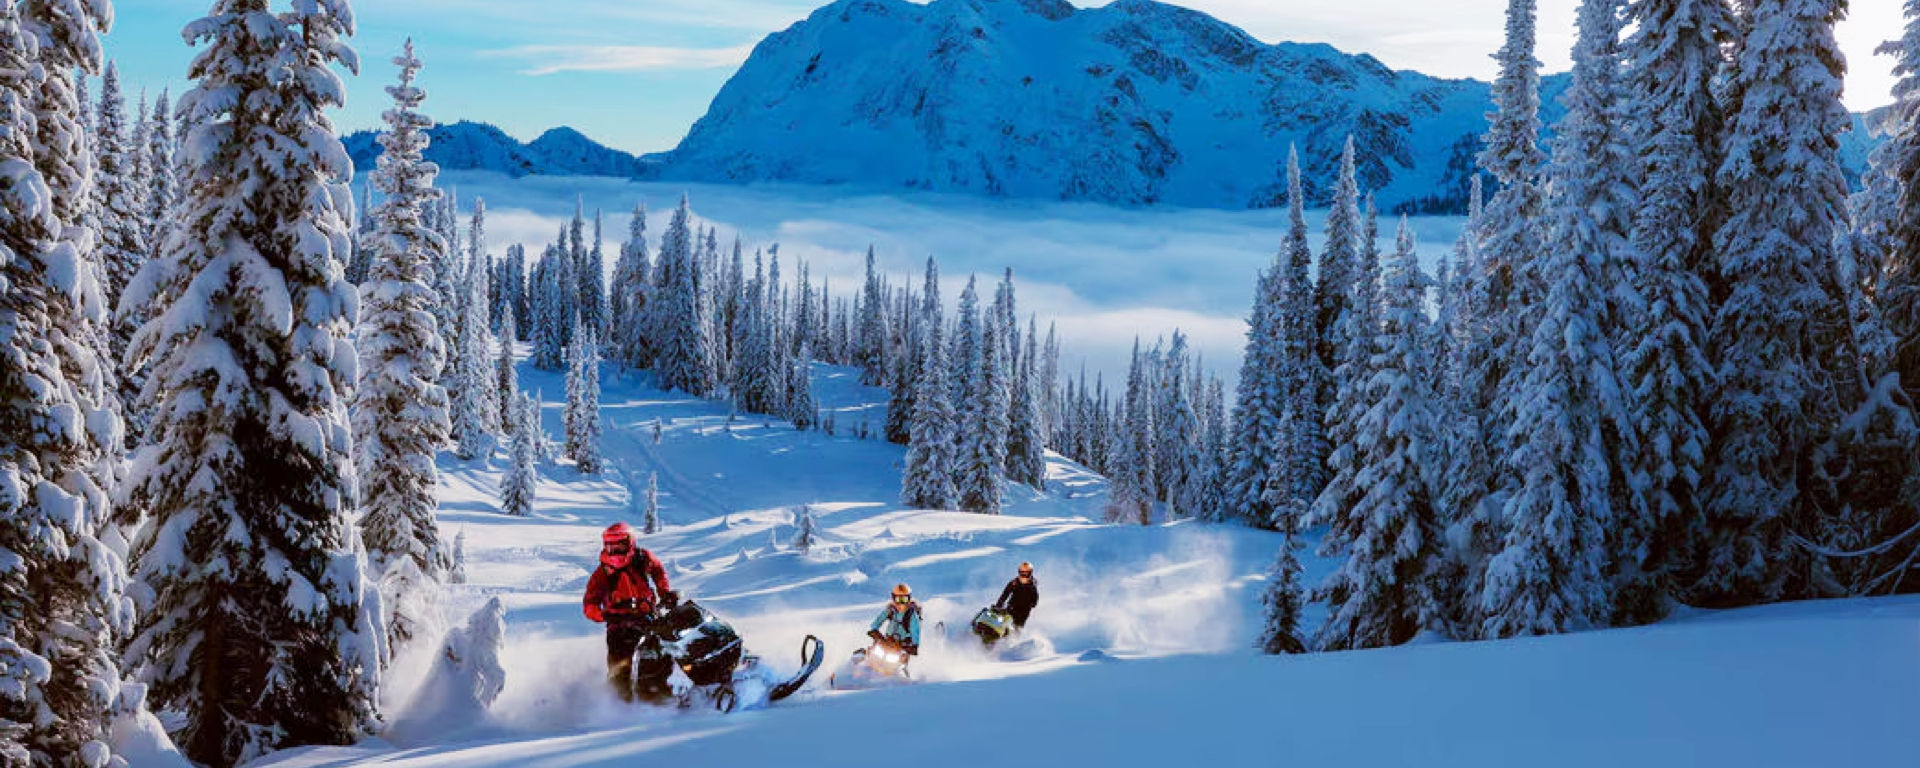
<point x="554" y="59"/>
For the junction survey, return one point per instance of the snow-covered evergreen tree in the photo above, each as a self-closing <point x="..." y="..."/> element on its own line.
<point x="1177" y="434"/>
<point x="1576" y="376"/>
<point x="903" y="377"/>
<point x="1026" y="444"/>
<point x="547" y="301"/>
<point x="680" y="326"/>
<point x="983" y="431"/>
<point x="593" y="281"/>
<point x="506" y="378"/>
<point x="932" y="460"/>
<point x="632" y="285"/>
<point x="476" y="399"/>
<point x="1283" y="600"/>
<point x="804" y="533"/>
<point x="446" y="279"/>
<point x="871" y="358"/>
<point x="1260" y="404"/>
<point x="517" y="490"/>
<point x="650" y="519"/>
<point x="230" y="449"/>
<point x="161" y="191"/>
<point x="399" y="412"/>
<point x="119" y="200"/>
<point x="1782" y="382"/>
<point x="61" y="585"/>
<point x="458" y="574"/>
<point x="1899" y="294"/>
<point x="583" y="400"/>
<point x="1132" y="475"/>
<point x="802" y="409"/>
<point x="964" y="350"/>
<point x="1672" y="59"/>
<point x="1574" y="524"/>
<point x="1051" y="408"/>
<point x="1509" y="291"/>
<point x="158" y="223"/>
<point x="1300" y="446"/>
<point x="1379" y="507"/>
<point x="1336" y="265"/>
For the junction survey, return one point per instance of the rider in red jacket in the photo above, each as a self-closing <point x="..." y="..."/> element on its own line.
<point x="623" y="592"/>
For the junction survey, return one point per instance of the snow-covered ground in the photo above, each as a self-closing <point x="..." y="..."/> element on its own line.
<point x="1150" y="632"/>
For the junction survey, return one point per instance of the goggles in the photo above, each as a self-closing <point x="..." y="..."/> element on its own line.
<point x="619" y="548"/>
<point x="903" y="599"/>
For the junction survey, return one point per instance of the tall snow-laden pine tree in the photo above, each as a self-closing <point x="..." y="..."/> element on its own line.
<point x="1380" y="506"/>
<point x="1509" y="289"/>
<point x="1177" y="433"/>
<point x="547" y="301"/>
<point x="1783" y="381"/>
<point x="1026" y="447"/>
<point x="1283" y="601"/>
<point x="1672" y="59"/>
<point x="583" y="400"/>
<point x="1131" y="491"/>
<point x="630" y="293"/>
<point x="120" y="202"/>
<point x="650" y="519"/>
<point x="871" y="357"/>
<point x="903" y="374"/>
<point x="476" y="401"/>
<point x="927" y="482"/>
<point x="1261" y="402"/>
<point x="438" y="216"/>
<point x="1878" y="526"/>
<point x="1899" y="294"/>
<point x="1301" y="439"/>
<point x="506" y="377"/>
<point x="251" y="363"/>
<point x="1575" y="377"/>
<point x="802" y="409"/>
<point x="983" y="432"/>
<point x="1051" y="408"/>
<point x="680" y="326"/>
<point x="593" y="280"/>
<point x="162" y="192"/>
<point x="1336" y="265"/>
<point x="61" y="604"/>
<point x="1574" y="524"/>
<point x="400" y="412"/>
<point x="517" y="490"/>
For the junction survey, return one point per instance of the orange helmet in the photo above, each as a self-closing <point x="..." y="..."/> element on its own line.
<point x="902" y="594"/>
<point x="1026" y="569"/>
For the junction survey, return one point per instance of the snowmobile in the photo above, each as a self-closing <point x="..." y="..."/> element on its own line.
<point x="992" y="625"/>
<point x="713" y="659"/>
<point x="881" y="663"/>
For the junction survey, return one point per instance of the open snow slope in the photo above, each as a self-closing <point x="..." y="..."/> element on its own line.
<point x="1150" y="630"/>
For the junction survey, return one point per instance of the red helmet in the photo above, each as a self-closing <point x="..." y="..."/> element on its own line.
<point x="617" y="536"/>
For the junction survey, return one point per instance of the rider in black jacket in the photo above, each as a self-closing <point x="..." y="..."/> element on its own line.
<point x="1020" y="596"/>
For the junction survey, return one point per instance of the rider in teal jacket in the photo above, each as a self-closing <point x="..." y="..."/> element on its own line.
<point x="900" y="622"/>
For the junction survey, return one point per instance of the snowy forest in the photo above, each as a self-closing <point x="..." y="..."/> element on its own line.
<point x="1672" y="361"/>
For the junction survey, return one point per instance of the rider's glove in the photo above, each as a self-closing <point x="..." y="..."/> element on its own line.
<point x="594" y="614"/>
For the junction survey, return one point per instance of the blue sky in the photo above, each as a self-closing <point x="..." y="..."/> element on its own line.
<point x="635" y="74"/>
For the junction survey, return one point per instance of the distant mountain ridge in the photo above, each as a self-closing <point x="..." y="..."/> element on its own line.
<point x="471" y="146"/>
<point x="1133" y="103"/>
